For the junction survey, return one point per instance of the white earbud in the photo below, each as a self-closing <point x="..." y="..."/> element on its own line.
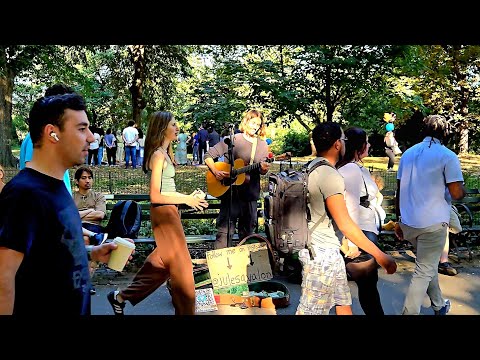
<point x="54" y="135"/>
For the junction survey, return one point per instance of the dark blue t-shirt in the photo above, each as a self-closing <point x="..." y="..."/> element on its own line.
<point x="39" y="219"/>
<point x="202" y="136"/>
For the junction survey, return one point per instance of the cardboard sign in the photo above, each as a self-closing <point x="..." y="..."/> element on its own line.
<point x="239" y="265"/>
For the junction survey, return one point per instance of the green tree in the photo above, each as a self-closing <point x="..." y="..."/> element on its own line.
<point x="449" y="82"/>
<point x="17" y="61"/>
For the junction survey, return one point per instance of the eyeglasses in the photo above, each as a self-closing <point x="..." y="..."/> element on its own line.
<point x="344" y="138"/>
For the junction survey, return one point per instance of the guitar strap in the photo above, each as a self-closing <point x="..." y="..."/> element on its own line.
<point x="254" y="149"/>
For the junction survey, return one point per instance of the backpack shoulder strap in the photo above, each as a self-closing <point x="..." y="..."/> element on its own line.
<point x="309" y="167"/>
<point x="313" y="164"/>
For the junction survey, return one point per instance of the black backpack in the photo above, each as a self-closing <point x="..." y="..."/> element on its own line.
<point x="125" y="220"/>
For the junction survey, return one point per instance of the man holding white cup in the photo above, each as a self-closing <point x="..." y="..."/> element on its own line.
<point x="39" y="222"/>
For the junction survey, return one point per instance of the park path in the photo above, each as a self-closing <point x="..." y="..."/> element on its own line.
<point x="463" y="290"/>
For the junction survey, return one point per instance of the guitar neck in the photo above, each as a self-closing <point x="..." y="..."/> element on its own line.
<point x="246" y="169"/>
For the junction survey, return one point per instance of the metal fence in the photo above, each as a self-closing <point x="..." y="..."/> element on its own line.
<point x="114" y="180"/>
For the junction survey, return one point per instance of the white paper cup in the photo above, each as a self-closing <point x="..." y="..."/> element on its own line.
<point x="200" y="194"/>
<point x="119" y="256"/>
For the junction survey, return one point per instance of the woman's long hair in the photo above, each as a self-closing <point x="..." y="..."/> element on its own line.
<point x="354" y="146"/>
<point x="250" y="114"/>
<point x="157" y="127"/>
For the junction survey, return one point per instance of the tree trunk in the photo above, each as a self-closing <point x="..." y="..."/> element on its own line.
<point x="137" y="56"/>
<point x="6" y="91"/>
<point x="299" y="119"/>
<point x="312" y="145"/>
<point x="463" y="143"/>
<point x="463" y="128"/>
<point x="460" y="70"/>
<point x="328" y="93"/>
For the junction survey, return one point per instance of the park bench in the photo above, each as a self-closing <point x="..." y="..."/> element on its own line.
<point x="469" y="210"/>
<point x="386" y="237"/>
<point x="186" y="213"/>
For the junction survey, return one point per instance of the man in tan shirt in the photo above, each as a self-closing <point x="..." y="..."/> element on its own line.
<point x="91" y="206"/>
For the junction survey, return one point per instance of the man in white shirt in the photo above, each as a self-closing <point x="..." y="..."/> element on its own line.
<point x="130" y="136"/>
<point x="429" y="176"/>
<point x="93" y="149"/>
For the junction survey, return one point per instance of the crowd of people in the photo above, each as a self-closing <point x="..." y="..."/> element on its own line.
<point x="345" y="203"/>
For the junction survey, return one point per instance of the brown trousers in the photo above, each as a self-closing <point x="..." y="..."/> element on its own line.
<point x="170" y="259"/>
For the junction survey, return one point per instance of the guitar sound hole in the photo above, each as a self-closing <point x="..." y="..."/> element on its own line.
<point x="227" y="181"/>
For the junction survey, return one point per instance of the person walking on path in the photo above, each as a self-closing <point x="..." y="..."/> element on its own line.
<point x="324" y="278"/>
<point x="26" y="149"/>
<point x="50" y="248"/>
<point x="171" y="257"/>
<point x="429" y="176"/>
<point x="360" y="195"/>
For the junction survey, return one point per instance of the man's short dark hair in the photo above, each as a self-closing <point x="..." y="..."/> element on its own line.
<point x="131" y="123"/>
<point x="50" y="110"/>
<point x="81" y="170"/>
<point x="325" y="134"/>
<point x="59" y="89"/>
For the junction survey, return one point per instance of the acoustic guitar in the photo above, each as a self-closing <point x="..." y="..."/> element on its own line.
<point x="240" y="171"/>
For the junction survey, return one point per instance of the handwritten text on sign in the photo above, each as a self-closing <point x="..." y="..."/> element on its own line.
<point x="239" y="265"/>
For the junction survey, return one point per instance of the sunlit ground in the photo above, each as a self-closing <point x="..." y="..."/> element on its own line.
<point x="470" y="163"/>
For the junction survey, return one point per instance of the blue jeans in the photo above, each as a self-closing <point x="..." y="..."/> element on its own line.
<point x="131" y="151"/>
<point x="100" y="155"/>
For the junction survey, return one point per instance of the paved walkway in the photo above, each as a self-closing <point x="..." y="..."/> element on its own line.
<point x="463" y="290"/>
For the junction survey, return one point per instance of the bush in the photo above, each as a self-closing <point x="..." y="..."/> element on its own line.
<point x="297" y="142"/>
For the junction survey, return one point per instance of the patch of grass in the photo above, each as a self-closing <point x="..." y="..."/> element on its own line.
<point x="118" y="180"/>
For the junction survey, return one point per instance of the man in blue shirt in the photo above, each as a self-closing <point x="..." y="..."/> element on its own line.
<point x="429" y="176"/>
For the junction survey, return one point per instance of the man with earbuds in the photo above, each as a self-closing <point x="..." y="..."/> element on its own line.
<point x="26" y="150"/>
<point x="40" y="227"/>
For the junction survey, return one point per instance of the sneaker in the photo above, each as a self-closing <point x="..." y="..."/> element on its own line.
<point x="93" y="291"/>
<point x="116" y="305"/>
<point x="446" y="268"/>
<point x="98" y="238"/>
<point x="445" y="309"/>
